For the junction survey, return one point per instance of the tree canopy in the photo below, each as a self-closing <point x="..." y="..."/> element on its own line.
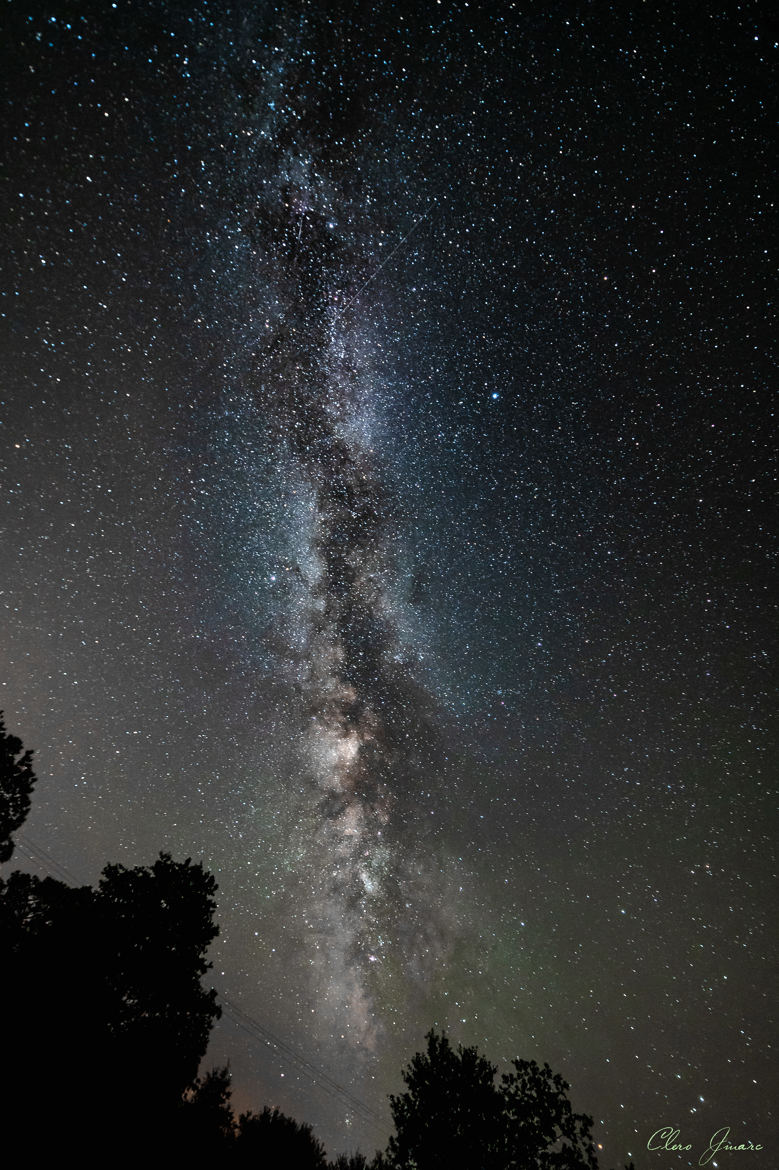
<point x="104" y="1020"/>
<point x="104" y="995"/>
<point x="274" y="1139"/>
<point x="16" y="784"/>
<point x="454" y="1116"/>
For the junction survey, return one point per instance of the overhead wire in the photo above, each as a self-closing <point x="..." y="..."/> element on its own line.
<point x="247" y="1023"/>
<point x="317" y="1075"/>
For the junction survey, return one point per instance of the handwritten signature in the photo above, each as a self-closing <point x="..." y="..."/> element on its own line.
<point x="667" y="1140"/>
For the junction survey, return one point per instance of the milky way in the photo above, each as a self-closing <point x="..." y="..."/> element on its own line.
<point x="372" y="754"/>
<point x="387" y="498"/>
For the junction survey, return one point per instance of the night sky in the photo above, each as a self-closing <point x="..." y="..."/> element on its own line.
<point x="387" y="479"/>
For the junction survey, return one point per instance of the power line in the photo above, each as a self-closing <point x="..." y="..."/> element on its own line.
<point x="39" y="856"/>
<point x="242" y="1019"/>
<point x="258" y="1031"/>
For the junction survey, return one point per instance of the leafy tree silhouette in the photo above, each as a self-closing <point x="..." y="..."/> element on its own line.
<point x="273" y="1139"/>
<point x="156" y="925"/>
<point x="16" y="783"/>
<point x="104" y="1020"/>
<point x="115" y="1014"/>
<point x="454" y="1116"/>
<point x="206" y="1126"/>
<point x="541" y="1129"/>
<point x="451" y="1114"/>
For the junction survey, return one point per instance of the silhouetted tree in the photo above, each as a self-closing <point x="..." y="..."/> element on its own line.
<point x="52" y="1017"/>
<point x="104" y="1020"/>
<point x="453" y="1115"/>
<point x="104" y="999"/>
<point x="271" y="1138"/>
<point x="16" y="783"/>
<point x="206" y="1125"/>
<point x="541" y="1130"/>
<point x="156" y="925"/>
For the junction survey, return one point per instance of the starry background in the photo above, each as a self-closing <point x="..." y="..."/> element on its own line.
<point x="387" y="472"/>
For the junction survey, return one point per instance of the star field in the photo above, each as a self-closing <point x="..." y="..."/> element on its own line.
<point x="387" y="478"/>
